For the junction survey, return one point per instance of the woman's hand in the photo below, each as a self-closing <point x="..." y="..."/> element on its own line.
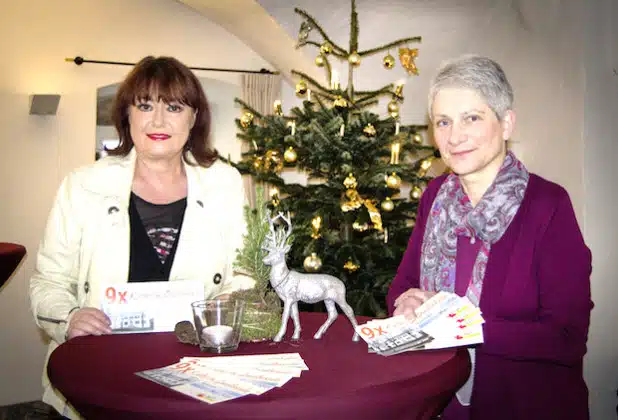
<point x="88" y="321"/>
<point x="407" y="303"/>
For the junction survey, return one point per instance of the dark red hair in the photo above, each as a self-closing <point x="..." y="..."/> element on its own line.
<point x="170" y="81"/>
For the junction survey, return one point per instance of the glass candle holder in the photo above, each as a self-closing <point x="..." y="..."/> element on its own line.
<point x="218" y="324"/>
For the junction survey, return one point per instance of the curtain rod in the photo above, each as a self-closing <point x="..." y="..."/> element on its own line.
<point x="81" y="60"/>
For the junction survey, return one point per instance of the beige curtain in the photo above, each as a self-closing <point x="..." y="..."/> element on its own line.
<point x="259" y="91"/>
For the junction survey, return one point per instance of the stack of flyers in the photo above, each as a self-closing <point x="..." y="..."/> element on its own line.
<point x="392" y="335"/>
<point x="217" y="379"/>
<point x="445" y="320"/>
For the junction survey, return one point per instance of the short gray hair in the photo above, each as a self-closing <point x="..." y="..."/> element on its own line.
<point x="480" y="74"/>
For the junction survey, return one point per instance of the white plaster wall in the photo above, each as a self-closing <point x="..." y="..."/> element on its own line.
<point x="601" y="201"/>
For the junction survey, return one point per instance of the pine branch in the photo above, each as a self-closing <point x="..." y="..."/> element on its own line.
<point x="333" y="52"/>
<point x="249" y="258"/>
<point x="364" y="101"/>
<point x="321" y="103"/>
<point x="366" y="105"/>
<point x="389" y="46"/>
<point x="314" y="23"/>
<point x="414" y="127"/>
<point x="314" y="83"/>
<point x="248" y="108"/>
<point x="384" y="89"/>
<point x="374" y="94"/>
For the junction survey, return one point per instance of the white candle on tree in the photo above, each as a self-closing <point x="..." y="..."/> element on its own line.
<point x="334" y="80"/>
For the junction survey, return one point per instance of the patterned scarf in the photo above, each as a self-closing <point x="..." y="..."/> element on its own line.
<point x="452" y="215"/>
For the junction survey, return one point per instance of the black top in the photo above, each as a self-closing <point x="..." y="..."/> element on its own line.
<point x="155" y="229"/>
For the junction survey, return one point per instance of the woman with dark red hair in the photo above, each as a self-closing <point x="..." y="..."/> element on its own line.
<point x="159" y="207"/>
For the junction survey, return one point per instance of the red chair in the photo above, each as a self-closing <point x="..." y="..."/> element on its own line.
<point x="10" y="257"/>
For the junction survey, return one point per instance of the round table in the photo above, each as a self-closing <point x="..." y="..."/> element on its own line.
<point x="10" y="257"/>
<point x="344" y="380"/>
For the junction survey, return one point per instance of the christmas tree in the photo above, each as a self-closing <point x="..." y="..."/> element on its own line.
<point x="350" y="219"/>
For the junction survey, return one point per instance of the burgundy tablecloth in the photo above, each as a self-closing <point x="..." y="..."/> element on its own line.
<point x="344" y="381"/>
<point x="10" y="257"/>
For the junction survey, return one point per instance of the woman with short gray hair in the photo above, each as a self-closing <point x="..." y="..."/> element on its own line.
<point x="509" y="241"/>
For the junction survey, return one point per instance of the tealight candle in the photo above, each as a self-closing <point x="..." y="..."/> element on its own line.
<point x="217" y="335"/>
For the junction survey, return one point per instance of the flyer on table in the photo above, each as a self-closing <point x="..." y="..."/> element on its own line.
<point x="150" y="306"/>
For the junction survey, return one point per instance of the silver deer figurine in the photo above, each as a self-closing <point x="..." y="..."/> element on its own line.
<point x="292" y="286"/>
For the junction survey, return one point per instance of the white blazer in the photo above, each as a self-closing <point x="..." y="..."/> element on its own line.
<point x="86" y="241"/>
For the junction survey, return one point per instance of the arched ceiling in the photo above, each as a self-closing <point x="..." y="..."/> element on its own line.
<point x="247" y="20"/>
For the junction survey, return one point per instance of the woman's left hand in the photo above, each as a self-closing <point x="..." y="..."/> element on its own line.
<point x="409" y="301"/>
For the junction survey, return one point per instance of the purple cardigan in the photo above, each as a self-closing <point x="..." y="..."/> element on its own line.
<point x="536" y="304"/>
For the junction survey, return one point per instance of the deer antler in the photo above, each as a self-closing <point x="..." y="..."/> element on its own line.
<point x="270" y="241"/>
<point x="288" y="231"/>
<point x="276" y="239"/>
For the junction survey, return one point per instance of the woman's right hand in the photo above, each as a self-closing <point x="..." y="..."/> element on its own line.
<point x="88" y="321"/>
<point x="408" y="302"/>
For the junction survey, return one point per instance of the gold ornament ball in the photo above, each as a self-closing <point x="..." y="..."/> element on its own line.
<point x="388" y="204"/>
<point x="340" y="103"/>
<point x="393" y="107"/>
<point x="369" y="130"/>
<point x="326" y="48"/>
<point x="416" y="192"/>
<point x="417" y="138"/>
<point x="393" y="181"/>
<point x="354" y="59"/>
<point x="319" y="61"/>
<point x="312" y="263"/>
<point x="389" y="62"/>
<point x="301" y="88"/>
<point x="246" y="120"/>
<point x="290" y="155"/>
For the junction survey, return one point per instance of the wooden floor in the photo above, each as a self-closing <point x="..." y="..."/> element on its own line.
<point x="34" y="410"/>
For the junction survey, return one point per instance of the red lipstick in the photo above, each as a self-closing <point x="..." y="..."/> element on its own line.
<point x="158" y="136"/>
